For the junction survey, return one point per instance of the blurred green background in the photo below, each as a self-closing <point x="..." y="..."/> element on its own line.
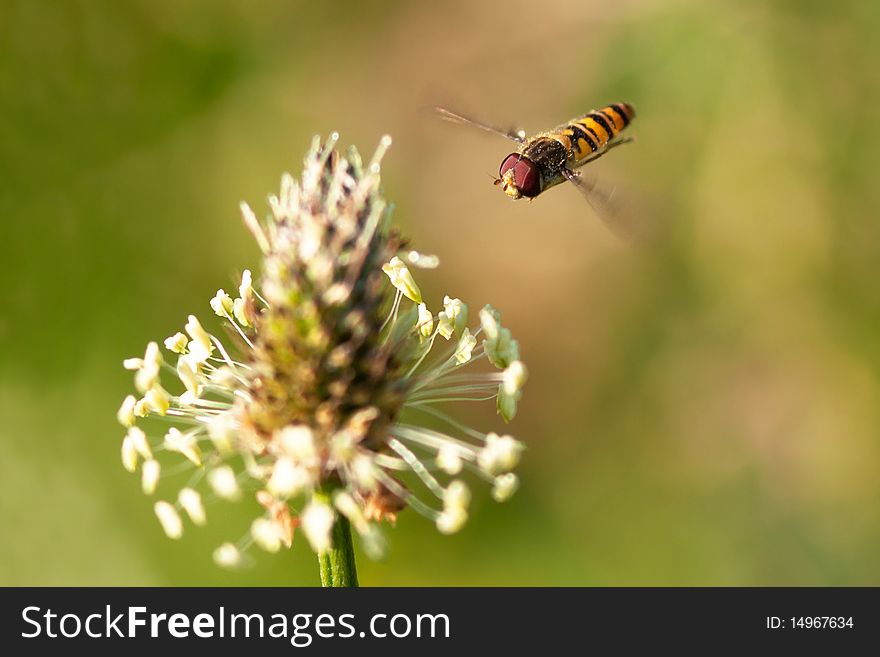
<point x="702" y="409"/>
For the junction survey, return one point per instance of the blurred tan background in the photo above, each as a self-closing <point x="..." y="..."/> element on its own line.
<point x="703" y="409"/>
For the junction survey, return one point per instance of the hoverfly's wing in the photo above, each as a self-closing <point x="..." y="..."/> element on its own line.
<point x="514" y="135"/>
<point x="621" y="218"/>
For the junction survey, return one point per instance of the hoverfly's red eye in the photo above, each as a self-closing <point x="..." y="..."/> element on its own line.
<point x="525" y="174"/>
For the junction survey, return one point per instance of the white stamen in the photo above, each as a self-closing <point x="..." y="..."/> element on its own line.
<point x="402" y="279"/>
<point x="422" y="260"/>
<point x="224" y="483"/>
<point x="514" y="377"/>
<point x="201" y="346"/>
<point x="177" y="343"/>
<point x="221" y="304"/>
<point x="148" y="374"/>
<point x="129" y="454"/>
<point x="266" y="534"/>
<point x="222" y="430"/>
<point x="347" y="506"/>
<point x="425" y="321"/>
<point x="457" y="495"/>
<point x="298" y="442"/>
<point x="150" y="472"/>
<point x="253" y="225"/>
<point x="505" y="486"/>
<point x="187" y="372"/>
<point x="317" y="521"/>
<point x="449" y="460"/>
<point x="140" y="442"/>
<point x="157" y="400"/>
<point x="125" y="414"/>
<point x="501" y="454"/>
<point x="183" y="443"/>
<point x="288" y="478"/>
<point x="191" y="502"/>
<point x="169" y="519"/>
<point x="465" y="347"/>
<point x="227" y="556"/>
<point x="451" y="521"/>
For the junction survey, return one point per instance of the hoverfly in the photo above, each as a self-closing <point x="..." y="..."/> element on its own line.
<point x="549" y="158"/>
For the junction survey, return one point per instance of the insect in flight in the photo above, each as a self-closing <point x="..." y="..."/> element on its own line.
<point x="549" y="158"/>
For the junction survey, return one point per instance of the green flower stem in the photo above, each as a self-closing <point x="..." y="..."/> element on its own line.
<point x="337" y="564"/>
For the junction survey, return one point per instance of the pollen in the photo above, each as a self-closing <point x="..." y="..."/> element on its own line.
<point x="509" y="185"/>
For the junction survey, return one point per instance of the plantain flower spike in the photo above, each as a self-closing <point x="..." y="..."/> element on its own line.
<point x="327" y="396"/>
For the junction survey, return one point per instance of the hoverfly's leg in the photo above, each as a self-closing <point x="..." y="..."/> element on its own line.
<point x="599" y="198"/>
<point x="620" y="141"/>
<point x="572" y="176"/>
<point x="615" y="211"/>
<point x="519" y="136"/>
<point x="585" y="186"/>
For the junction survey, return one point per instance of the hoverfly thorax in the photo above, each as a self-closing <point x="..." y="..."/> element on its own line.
<point x="519" y="176"/>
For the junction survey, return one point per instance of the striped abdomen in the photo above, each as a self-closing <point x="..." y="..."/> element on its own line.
<point x="592" y="132"/>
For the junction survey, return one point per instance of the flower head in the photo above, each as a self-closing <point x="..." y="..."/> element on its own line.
<point x="338" y="360"/>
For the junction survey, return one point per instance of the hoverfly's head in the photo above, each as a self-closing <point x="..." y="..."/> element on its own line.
<point x="519" y="177"/>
